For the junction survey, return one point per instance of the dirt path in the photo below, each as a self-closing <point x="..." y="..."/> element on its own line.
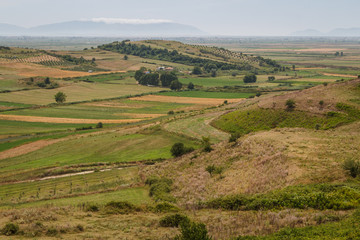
<point x="63" y="120"/>
<point x="200" y="101"/>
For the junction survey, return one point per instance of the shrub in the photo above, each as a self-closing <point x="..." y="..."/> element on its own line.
<point x="353" y="167"/>
<point x="171" y="112"/>
<point x="121" y="207"/>
<point x="173" y="220"/>
<point x="271" y="78"/>
<point x="10" y="229"/>
<point x="249" y="78"/>
<point x="179" y="149"/>
<point x="197" y="70"/>
<point x="52" y="231"/>
<point x="193" y="231"/>
<point x="190" y="86"/>
<point x="60" y="97"/>
<point x="165" y="207"/>
<point x="290" y="105"/>
<point x="226" y="102"/>
<point x="79" y="228"/>
<point x="210" y="169"/>
<point x="160" y="188"/>
<point x="234" y="136"/>
<point x="99" y="125"/>
<point x="92" y="208"/>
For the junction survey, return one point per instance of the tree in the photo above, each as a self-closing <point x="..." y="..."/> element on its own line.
<point x="175" y="85"/>
<point x="193" y="231"/>
<point x="47" y="80"/>
<point x="293" y="67"/>
<point x="150" y="79"/>
<point x="99" y="125"/>
<point x="197" y="70"/>
<point x="190" y="86"/>
<point x="178" y="149"/>
<point x="213" y="72"/>
<point x="126" y="57"/>
<point x="271" y="78"/>
<point x="167" y="78"/>
<point x="206" y="144"/>
<point x="139" y="73"/>
<point x="290" y="105"/>
<point x="60" y="97"/>
<point x="250" y="78"/>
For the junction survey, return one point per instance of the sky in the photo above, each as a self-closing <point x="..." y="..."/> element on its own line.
<point x="216" y="17"/>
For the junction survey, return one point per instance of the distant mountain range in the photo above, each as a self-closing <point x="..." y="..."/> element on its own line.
<point x="96" y="29"/>
<point x="338" y="32"/>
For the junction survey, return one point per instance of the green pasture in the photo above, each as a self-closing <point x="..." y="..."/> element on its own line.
<point x="107" y="147"/>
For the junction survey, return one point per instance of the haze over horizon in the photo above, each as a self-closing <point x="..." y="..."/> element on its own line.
<point x="228" y="17"/>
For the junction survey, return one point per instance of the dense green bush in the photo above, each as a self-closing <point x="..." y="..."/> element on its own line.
<point x="179" y="149"/>
<point x="250" y="78"/>
<point x="160" y="188"/>
<point x="353" y="167"/>
<point x="10" y="229"/>
<point x="121" y="207"/>
<point x="165" y="207"/>
<point x="193" y="231"/>
<point x="173" y="220"/>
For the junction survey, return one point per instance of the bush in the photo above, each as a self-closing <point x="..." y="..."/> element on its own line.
<point x="99" y="125"/>
<point x="193" y="231"/>
<point x="234" y="136"/>
<point x="52" y="232"/>
<point x="173" y="220"/>
<point x="249" y="78"/>
<point x="190" y="86"/>
<point x="121" y="207"/>
<point x="92" y="208"/>
<point x="290" y="105"/>
<point x="60" y="97"/>
<point x="271" y="78"/>
<point x="160" y="188"/>
<point x="171" y="112"/>
<point x="178" y="149"/>
<point x="10" y="229"/>
<point x="166" y="207"/>
<point x="353" y="167"/>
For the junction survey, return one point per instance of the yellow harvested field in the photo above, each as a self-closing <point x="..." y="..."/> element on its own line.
<point x="190" y="100"/>
<point x="27" y="148"/>
<point x="63" y="120"/>
<point x="36" y="70"/>
<point x="339" y="75"/>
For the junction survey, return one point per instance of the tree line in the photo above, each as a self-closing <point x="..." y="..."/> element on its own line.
<point x="170" y="56"/>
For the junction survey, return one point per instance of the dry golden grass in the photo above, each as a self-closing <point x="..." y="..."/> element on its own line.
<point x="261" y="162"/>
<point x="63" y="120"/>
<point x="308" y="100"/>
<point x="36" y="70"/>
<point x="200" y="101"/>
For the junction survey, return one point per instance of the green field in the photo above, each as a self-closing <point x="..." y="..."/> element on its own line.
<point x="109" y="147"/>
<point x="203" y="94"/>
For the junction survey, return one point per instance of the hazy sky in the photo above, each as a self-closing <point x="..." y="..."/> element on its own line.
<point x="225" y="17"/>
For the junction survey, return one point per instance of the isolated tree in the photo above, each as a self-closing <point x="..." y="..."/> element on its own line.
<point x="293" y="67"/>
<point x="197" y="70"/>
<point x="126" y="57"/>
<point x="213" y="72"/>
<point x="60" y="97"/>
<point x="175" y="85"/>
<point x="167" y="78"/>
<point x="99" y="125"/>
<point x="47" y="80"/>
<point x="290" y="105"/>
<point x="271" y="78"/>
<point x="190" y="86"/>
<point x="249" y="78"/>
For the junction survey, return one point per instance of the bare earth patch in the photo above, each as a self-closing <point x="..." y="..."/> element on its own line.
<point x="27" y="148"/>
<point x="200" y="101"/>
<point x="339" y="75"/>
<point x="63" y="120"/>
